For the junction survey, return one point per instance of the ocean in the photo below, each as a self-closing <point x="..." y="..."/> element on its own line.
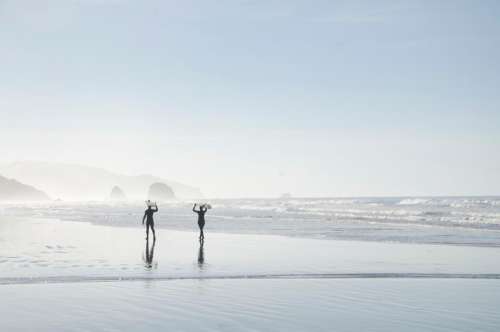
<point x="360" y="264"/>
<point x="472" y="221"/>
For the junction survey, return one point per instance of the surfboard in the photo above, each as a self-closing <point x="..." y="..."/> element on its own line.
<point x="149" y="203"/>
<point x="208" y="206"/>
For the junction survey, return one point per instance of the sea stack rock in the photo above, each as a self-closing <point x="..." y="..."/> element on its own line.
<point x="117" y="194"/>
<point x="160" y="192"/>
<point x="12" y="190"/>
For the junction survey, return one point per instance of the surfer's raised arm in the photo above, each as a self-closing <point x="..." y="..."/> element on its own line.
<point x="156" y="208"/>
<point x="194" y="206"/>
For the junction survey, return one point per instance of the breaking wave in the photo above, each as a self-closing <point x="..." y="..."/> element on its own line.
<point x="441" y="220"/>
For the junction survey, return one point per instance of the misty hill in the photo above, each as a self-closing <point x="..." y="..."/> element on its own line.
<point x="160" y="192"/>
<point x="12" y="190"/>
<point x="77" y="182"/>
<point x="117" y="194"/>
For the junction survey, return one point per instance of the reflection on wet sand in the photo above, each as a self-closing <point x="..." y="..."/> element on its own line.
<point x="86" y="251"/>
<point x="201" y="254"/>
<point x="149" y="255"/>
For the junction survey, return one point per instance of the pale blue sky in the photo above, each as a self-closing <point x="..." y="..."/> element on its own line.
<point x="257" y="98"/>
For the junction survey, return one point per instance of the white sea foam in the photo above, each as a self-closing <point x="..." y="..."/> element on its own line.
<point x="413" y="201"/>
<point x="448" y="220"/>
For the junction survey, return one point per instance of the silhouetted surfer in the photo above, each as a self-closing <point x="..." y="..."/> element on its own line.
<point x="201" y="218"/>
<point x="148" y="216"/>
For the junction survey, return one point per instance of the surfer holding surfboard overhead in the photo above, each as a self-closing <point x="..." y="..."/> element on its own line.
<point x="148" y="216"/>
<point x="203" y="208"/>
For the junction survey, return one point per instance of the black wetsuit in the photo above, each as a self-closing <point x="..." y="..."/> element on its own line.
<point x="201" y="218"/>
<point x="148" y="214"/>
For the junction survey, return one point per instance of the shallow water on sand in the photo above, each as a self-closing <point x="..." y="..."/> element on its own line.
<point x="41" y="250"/>
<point x="76" y="276"/>
<point x="254" y="305"/>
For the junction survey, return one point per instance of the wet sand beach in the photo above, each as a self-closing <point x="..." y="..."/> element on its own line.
<point x="254" y="305"/>
<point x="73" y="276"/>
<point x="44" y="250"/>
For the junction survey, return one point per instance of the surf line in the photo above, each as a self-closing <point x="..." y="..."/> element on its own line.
<point x="77" y="279"/>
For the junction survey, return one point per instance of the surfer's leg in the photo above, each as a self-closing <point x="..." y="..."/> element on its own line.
<point x="201" y="230"/>
<point x="153" y="230"/>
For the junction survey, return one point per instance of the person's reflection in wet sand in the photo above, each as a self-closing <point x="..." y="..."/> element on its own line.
<point x="149" y="254"/>
<point x="201" y="254"/>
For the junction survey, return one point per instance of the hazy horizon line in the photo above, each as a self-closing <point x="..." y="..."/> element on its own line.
<point x="299" y="196"/>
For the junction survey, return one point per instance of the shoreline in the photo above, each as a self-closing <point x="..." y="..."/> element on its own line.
<point x="48" y="250"/>
<point x="460" y="222"/>
<point x="354" y="276"/>
<point x="209" y="230"/>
